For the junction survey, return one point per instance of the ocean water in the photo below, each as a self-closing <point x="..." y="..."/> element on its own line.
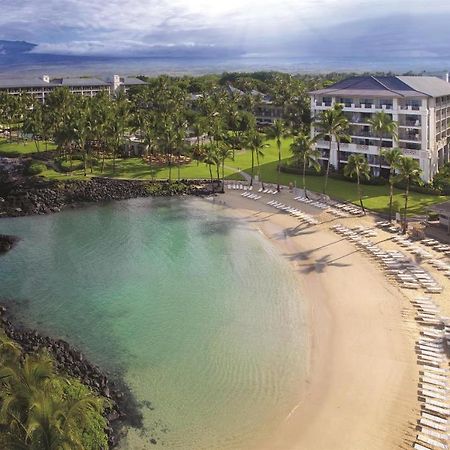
<point x="197" y="311"/>
<point x="27" y="65"/>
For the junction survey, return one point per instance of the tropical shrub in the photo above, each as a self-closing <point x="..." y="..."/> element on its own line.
<point x="41" y="409"/>
<point x="35" y="168"/>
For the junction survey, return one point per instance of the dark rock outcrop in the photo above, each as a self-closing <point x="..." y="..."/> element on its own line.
<point x="21" y="196"/>
<point x="7" y="242"/>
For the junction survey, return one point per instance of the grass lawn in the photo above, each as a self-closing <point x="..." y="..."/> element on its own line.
<point x="136" y="169"/>
<point x="14" y="149"/>
<point x="376" y="198"/>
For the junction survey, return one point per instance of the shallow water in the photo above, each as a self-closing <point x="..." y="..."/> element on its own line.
<point x="198" y="312"/>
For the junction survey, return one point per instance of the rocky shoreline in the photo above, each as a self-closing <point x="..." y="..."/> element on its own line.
<point x="23" y="196"/>
<point x="125" y="410"/>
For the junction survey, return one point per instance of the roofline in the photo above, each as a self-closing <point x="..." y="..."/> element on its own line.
<point x="318" y="92"/>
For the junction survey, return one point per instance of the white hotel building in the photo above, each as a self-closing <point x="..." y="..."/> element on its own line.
<point x="419" y="105"/>
<point x="41" y="87"/>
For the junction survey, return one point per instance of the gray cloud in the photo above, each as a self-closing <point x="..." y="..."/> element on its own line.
<point x="216" y="27"/>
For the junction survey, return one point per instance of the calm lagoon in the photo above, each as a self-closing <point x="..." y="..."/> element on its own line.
<point x="196" y="310"/>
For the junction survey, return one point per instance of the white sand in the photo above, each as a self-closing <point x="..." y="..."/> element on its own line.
<point x="361" y="392"/>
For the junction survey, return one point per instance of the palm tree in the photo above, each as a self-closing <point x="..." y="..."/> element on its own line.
<point x="211" y="160"/>
<point x="304" y="151"/>
<point x="409" y="172"/>
<point x="392" y="157"/>
<point x="332" y="124"/>
<point x="224" y="152"/>
<point x="358" y="166"/>
<point x="277" y="131"/>
<point x="118" y="125"/>
<point x="256" y="143"/>
<point x="382" y="125"/>
<point x="34" y="124"/>
<point x="41" y="410"/>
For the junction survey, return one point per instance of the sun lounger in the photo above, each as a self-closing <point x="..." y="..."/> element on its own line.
<point x="444" y="412"/>
<point x="431" y="387"/>
<point x="435" y="434"/>
<point x="418" y="446"/>
<point x="436" y="375"/>
<point x="430" y="441"/>
<point x="434" y="418"/>
<point x="439" y="371"/>
<point x="437" y="403"/>
<point x="433" y="381"/>
<point x="432" y="394"/>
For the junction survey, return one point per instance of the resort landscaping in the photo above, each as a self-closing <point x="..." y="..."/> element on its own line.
<point x="253" y="146"/>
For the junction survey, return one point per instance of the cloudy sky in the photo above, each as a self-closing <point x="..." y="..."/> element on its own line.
<point x="239" y="27"/>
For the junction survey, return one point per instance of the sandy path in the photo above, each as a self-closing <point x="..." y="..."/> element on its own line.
<point x="361" y="392"/>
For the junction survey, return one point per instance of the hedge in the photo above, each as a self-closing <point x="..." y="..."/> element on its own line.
<point x="35" y="168"/>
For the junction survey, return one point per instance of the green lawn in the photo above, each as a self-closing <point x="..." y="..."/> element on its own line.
<point x="21" y="148"/>
<point x="136" y="169"/>
<point x="375" y="197"/>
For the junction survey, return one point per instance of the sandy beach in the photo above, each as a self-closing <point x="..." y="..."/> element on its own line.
<point x="361" y="392"/>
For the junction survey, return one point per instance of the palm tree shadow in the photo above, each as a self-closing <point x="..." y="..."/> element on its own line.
<point x="320" y="265"/>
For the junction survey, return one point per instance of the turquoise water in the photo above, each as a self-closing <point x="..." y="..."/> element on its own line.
<point x="196" y="310"/>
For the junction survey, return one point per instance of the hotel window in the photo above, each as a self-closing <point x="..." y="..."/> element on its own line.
<point x="327" y="101"/>
<point x="347" y="102"/>
<point x="415" y="104"/>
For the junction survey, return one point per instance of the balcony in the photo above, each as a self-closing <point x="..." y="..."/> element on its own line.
<point x="414" y="137"/>
<point x="410" y="123"/>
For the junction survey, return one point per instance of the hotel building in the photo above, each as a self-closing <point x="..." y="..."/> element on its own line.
<point x="41" y="87"/>
<point x="419" y="105"/>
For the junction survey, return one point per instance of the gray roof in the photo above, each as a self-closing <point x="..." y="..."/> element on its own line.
<point x="132" y="81"/>
<point x="70" y="82"/>
<point x="21" y="83"/>
<point x="389" y="86"/>
<point x="432" y="86"/>
<point x="74" y="82"/>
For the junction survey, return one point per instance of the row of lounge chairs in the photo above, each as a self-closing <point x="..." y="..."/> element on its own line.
<point x="441" y="265"/>
<point x="251" y="196"/>
<point x="388" y="226"/>
<point x="433" y="389"/>
<point x="412" y="247"/>
<point x="437" y="246"/>
<point x="396" y="265"/>
<point x="268" y="191"/>
<point x="322" y="205"/>
<point x="335" y="208"/>
<point x="239" y="186"/>
<point x="353" y="210"/>
<point x="294" y="212"/>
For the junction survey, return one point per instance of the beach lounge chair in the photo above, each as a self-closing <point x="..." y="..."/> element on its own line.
<point x="435" y="434"/>
<point x="433" y="442"/>
<point x="417" y="446"/>
<point x="434" y="418"/>
<point x="432" y="394"/>
<point x="439" y="428"/>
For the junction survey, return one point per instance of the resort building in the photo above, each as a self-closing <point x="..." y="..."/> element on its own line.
<point x="419" y="105"/>
<point x="266" y="111"/>
<point x="41" y="87"/>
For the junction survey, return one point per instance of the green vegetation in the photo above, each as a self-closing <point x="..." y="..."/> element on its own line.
<point x="41" y="409"/>
<point x="35" y="168"/>
<point x="25" y="148"/>
<point x="357" y="166"/>
<point x="211" y="135"/>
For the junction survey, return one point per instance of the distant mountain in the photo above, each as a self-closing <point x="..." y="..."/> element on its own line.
<point x="15" y="47"/>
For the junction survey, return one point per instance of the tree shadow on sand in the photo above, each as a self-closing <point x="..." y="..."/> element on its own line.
<point x="319" y="265"/>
